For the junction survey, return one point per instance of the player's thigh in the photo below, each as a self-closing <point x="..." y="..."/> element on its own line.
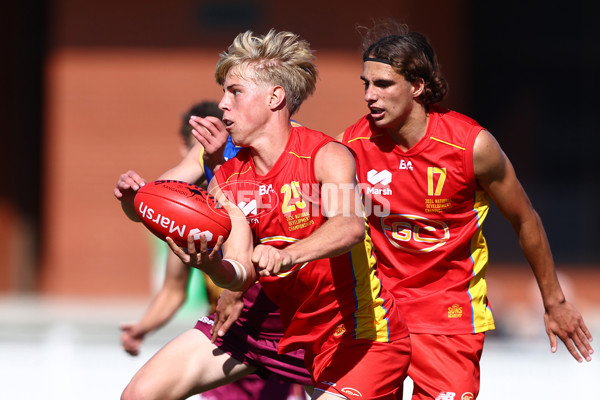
<point x="187" y="365"/>
<point x="443" y="366"/>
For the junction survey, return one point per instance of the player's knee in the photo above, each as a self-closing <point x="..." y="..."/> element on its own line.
<point x="136" y="391"/>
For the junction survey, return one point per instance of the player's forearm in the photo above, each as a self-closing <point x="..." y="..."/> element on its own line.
<point x="535" y="247"/>
<point x="161" y="310"/>
<point x="233" y="275"/>
<point x="128" y="208"/>
<point x="184" y="172"/>
<point x="335" y="237"/>
<point x="171" y="296"/>
<point x="214" y="161"/>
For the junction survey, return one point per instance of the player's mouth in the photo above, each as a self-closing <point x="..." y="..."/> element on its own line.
<point x="377" y="113"/>
<point x="227" y="123"/>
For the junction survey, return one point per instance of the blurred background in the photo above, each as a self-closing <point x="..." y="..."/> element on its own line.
<point x="93" y="88"/>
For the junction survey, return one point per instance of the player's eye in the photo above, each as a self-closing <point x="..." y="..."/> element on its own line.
<point x="383" y="84"/>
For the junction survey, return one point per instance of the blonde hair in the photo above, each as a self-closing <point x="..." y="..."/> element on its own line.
<point x="279" y="58"/>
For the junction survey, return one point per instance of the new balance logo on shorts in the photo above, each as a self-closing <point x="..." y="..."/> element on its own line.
<point x="446" y="396"/>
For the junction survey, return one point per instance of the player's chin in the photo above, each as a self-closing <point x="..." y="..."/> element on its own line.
<point x="383" y="122"/>
<point x="229" y="125"/>
<point x="379" y="119"/>
<point x="236" y="139"/>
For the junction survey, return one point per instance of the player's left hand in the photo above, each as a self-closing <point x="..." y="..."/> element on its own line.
<point x="566" y="322"/>
<point x="270" y="261"/>
<point x="207" y="260"/>
<point x="128" y="184"/>
<point x="229" y="309"/>
<point x="132" y="337"/>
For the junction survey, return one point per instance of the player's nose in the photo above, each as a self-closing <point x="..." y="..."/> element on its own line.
<point x="224" y="104"/>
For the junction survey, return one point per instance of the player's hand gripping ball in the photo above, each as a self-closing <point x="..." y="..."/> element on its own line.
<point x="177" y="209"/>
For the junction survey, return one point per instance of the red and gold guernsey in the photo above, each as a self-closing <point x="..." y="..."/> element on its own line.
<point x="325" y="301"/>
<point x="425" y="210"/>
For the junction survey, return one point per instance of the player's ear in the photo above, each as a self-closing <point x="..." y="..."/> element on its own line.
<point x="418" y="87"/>
<point x="277" y="97"/>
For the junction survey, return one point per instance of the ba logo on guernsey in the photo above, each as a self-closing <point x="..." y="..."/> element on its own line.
<point x="413" y="233"/>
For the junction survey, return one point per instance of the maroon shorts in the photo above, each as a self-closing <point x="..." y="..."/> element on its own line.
<point x="259" y="353"/>
<point x="253" y="387"/>
<point x="445" y="366"/>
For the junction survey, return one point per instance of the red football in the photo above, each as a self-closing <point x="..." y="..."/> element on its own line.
<point x="176" y="209"/>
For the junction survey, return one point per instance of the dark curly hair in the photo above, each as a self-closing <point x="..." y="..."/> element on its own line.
<point x="409" y="53"/>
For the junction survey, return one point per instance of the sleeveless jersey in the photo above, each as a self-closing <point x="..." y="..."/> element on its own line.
<point x="259" y="317"/>
<point x="323" y="300"/>
<point x="425" y="211"/>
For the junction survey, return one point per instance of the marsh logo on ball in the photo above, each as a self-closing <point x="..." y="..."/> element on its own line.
<point x="177" y="209"/>
<point x="196" y="232"/>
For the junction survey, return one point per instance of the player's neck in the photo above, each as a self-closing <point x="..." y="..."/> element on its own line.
<point x="268" y="147"/>
<point x="411" y="131"/>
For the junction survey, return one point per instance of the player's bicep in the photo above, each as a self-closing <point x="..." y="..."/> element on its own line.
<point x="177" y="273"/>
<point x="335" y="170"/>
<point x="489" y="161"/>
<point x="496" y="175"/>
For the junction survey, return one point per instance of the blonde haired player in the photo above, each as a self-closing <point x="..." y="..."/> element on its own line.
<point x="309" y="251"/>
<point x="267" y="383"/>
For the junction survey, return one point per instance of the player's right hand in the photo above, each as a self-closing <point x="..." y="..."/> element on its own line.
<point x="229" y="309"/>
<point x="131" y="338"/>
<point x="566" y="323"/>
<point x="128" y="183"/>
<point x="269" y="260"/>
